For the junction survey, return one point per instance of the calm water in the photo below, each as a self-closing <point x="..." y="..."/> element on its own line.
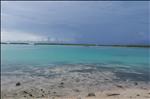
<point x="46" y="55"/>
<point x="49" y="54"/>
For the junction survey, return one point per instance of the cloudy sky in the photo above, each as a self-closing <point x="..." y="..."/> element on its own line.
<point x="101" y="22"/>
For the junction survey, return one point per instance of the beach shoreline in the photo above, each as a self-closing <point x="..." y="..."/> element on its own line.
<point x="70" y="82"/>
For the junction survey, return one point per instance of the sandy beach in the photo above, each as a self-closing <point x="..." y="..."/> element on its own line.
<point x="70" y="82"/>
<point x="129" y="93"/>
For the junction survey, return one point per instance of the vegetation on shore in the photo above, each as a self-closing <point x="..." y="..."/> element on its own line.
<point x="71" y="44"/>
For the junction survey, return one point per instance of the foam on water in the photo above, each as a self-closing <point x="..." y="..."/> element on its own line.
<point x="126" y="63"/>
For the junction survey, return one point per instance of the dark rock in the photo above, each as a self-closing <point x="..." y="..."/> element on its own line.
<point x="54" y="92"/>
<point x="30" y="95"/>
<point x="137" y="95"/>
<point x="76" y="90"/>
<point x="18" y="84"/>
<point x="25" y="92"/>
<point x="42" y="90"/>
<point x="91" y="94"/>
<point x="135" y="83"/>
<point x="119" y="86"/>
<point x="115" y="94"/>
<point x="61" y="85"/>
<point x="15" y="94"/>
<point x="49" y="92"/>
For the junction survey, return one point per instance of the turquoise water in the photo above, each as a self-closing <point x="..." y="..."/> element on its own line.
<point x="46" y="55"/>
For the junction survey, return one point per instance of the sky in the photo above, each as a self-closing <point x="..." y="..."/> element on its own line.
<point x="100" y="22"/>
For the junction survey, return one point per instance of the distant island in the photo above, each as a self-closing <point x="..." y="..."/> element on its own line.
<point x="71" y="44"/>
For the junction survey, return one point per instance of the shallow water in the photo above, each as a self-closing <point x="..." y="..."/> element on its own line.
<point x="126" y="63"/>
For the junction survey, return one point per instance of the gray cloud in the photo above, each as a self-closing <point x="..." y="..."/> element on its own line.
<point x="90" y="22"/>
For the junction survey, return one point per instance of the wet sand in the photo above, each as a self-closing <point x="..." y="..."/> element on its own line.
<point x="70" y="82"/>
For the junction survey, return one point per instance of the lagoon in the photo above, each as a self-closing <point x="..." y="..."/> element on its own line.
<point x="53" y="54"/>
